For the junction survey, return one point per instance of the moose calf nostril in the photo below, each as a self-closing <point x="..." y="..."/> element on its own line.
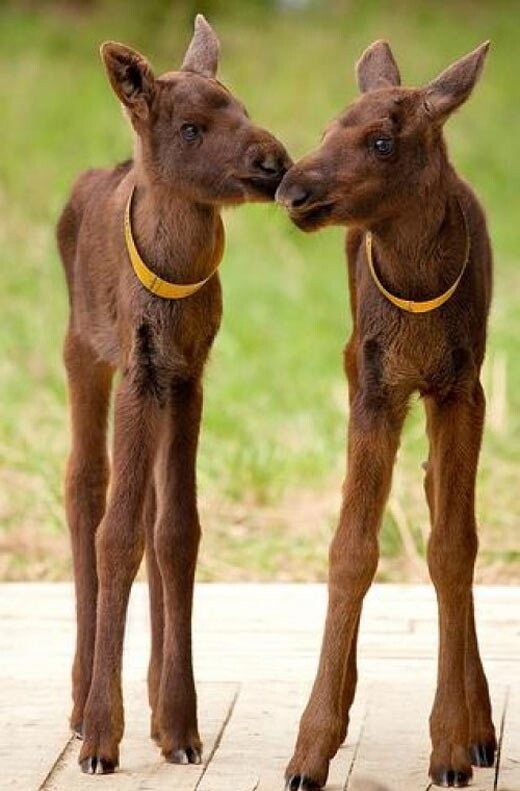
<point x="268" y="164"/>
<point x="298" y="196"/>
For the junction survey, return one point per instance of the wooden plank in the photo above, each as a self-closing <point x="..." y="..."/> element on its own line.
<point x="509" y="762"/>
<point x="142" y="766"/>
<point x="267" y="638"/>
<point x="257" y="742"/>
<point x="394" y="746"/>
<point x="33" y="731"/>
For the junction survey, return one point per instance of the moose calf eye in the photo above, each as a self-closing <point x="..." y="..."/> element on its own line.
<point x="383" y="146"/>
<point x="190" y="132"/>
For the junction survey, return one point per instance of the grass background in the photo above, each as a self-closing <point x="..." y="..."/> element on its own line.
<point x="272" y="451"/>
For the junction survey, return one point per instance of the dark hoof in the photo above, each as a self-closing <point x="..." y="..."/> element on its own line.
<point x="97" y="766"/>
<point x="302" y="783"/>
<point x="77" y="730"/>
<point x="482" y="755"/>
<point x="188" y="756"/>
<point x="451" y="778"/>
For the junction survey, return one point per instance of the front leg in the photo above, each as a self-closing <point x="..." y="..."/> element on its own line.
<point x="155" y="590"/>
<point x="482" y="736"/>
<point x="455" y="429"/>
<point x="373" y="439"/>
<point x="120" y="544"/>
<point x="177" y="535"/>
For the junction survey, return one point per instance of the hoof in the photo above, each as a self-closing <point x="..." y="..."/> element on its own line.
<point x="482" y="755"/>
<point x="95" y="765"/>
<point x="451" y="778"/>
<point x="302" y="783"/>
<point x="188" y="756"/>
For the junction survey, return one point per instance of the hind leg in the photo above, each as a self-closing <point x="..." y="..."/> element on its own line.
<point x="89" y="383"/>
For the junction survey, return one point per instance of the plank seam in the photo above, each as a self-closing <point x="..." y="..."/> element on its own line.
<point x="356" y="748"/>
<point x="59" y="760"/>
<point x="501" y="739"/>
<point x="220" y="736"/>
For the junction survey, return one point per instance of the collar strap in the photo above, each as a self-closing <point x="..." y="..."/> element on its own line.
<point x="408" y="304"/>
<point x="152" y="282"/>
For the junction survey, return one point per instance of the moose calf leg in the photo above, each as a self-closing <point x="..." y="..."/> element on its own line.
<point x="156" y="608"/>
<point x="120" y="545"/>
<point x="85" y="492"/>
<point x="482" y="737"/>
<point x="177" y="536"/>
<point x="373" y="436"/>
<point x="455" y="428"/>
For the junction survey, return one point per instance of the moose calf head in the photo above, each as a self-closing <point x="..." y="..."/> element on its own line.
<point x="385" y="152"/>
<point x="193" y="134"/>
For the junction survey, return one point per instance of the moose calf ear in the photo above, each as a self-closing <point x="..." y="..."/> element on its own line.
<point x="203" y="51"/>
<point x="377" y="68"/>
<point x="451" y="88"/>
<point x="130" y="76"/>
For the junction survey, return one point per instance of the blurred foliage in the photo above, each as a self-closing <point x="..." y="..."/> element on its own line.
<point x="272" y="451"/>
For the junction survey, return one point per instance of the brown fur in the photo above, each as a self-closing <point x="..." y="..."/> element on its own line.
<point x="159" y="347"/>
<point x="409" y="196"/>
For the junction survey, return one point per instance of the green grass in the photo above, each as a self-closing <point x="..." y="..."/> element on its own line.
<point x="272" y="450"/>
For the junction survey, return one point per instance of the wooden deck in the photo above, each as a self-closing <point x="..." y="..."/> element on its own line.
<point x="256" y="649"/>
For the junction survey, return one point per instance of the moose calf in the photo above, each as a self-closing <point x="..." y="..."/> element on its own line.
<point x="419" y="264"/>
<point x="141" y="245"/>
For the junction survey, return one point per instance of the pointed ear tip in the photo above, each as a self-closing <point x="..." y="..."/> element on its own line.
<point x="112" y="49"/>
<point x="380" y="43"/>
<point x="105" y="47"/>
<point x="201" y="22"/>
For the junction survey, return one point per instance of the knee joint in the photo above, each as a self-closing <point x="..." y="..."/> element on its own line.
<point x="353" y="564"/>
<point x="118" y="550"/>
<point x="176" y="544"/>
<point x="451" y="559"/>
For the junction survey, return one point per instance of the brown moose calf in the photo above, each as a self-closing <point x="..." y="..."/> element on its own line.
<point x="419" y="264"/>
<point x="141" y="245"/>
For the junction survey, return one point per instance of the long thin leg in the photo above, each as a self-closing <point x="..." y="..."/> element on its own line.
<point x="455" y="429"/>
<point x="86" y="481"/>
<point x="120" y="545"/>
<point x="177" y="536"/>
<point x="156" y="609"/>
<point x="350" y="676"/>
<point x="373" y="440"/>
<point x="482" y="738"/>
<point x="349" y="684"/>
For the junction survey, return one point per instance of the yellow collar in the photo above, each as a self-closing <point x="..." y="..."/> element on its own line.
<point x="151" y="281"/>
<point x="408" y="304"/>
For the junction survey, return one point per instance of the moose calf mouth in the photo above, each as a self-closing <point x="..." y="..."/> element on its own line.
<point x="312" y="218"/>
<point x="263" y="187"/>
